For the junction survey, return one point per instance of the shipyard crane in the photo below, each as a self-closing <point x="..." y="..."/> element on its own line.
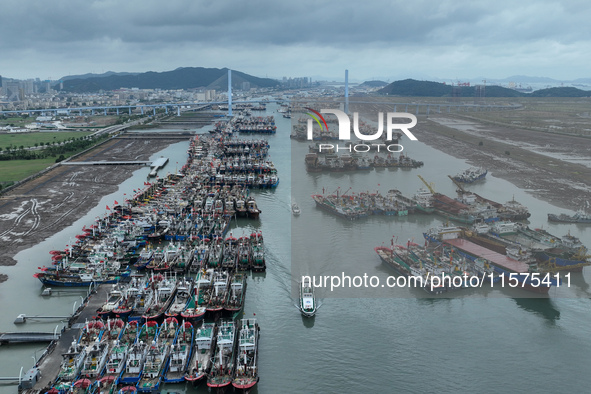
<point x="429" y="185"/>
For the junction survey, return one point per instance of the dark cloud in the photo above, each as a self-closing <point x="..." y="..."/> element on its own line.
<point x="93" y="31"/>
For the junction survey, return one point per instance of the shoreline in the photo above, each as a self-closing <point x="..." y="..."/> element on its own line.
<point x="531" y="160"/>
<point x="41" y="207"/>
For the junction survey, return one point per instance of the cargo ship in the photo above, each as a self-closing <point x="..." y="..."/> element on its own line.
<point x="579" y="217"/>
<point x="502" y="264"/>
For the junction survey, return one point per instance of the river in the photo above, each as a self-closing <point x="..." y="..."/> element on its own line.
<point x="362" y="339"/>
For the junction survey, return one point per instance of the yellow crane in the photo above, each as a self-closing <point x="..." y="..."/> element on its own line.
<point x="458" y="184"/>
<point x="429" y="185"/>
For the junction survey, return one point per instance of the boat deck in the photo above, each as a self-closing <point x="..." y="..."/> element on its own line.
<point x="494" y="257"/>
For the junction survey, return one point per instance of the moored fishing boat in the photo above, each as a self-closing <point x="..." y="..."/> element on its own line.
<point x="257" y="251"/>
<point x="196" y="307"/>
<point x="136" y="356"/>
<point x="235" y="301"/>
<point x="218" y="292"/>
<point x="200" y="362"/>
<point x="180" y="354"/>
<point x="106" y="385"/>
<point x="222" y="370"/>
<point x="72" y="362"/>
<point x="184" y="287"/>
<point x="471" y="175"/>
<point x="156" y="358"/>
<point x="579" y="217"/>
<point x="247" y="355"/>
<point x="163" y="297"/>
<point x="95" y="360"/>
<point x="114" y="298"/>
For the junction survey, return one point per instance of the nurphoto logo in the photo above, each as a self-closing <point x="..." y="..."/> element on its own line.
<point x="345" y="130"/>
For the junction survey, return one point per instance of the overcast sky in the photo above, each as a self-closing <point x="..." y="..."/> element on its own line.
<point x="452" y="39"/>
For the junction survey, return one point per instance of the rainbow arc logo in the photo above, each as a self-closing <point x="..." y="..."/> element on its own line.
<point x="318" y="115"/>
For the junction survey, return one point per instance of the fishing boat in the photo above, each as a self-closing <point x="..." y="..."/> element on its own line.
<point x="295" y="209"/>
<point x="247" y="356"/>
<point x="156" y="357"/>
<point x="243" y="255"/>
<point x="196" y="307"/>
<point x="114" y="298"/>
<point x="163" y="297"/>
<point x="218" y="292"/>
<point x="106" y="385"/>
<point x="235" y="300"/>
<point x="200" y="362"/>
<point x="81" y="386"/>
<point x="222" y="369"/>
<point x="180" y="354"/>
<point x="579" y="217"/>
<point x="136" y="357"/>
<point x="91" y="331"/>
<point x="471" y="175"/>
<point x="72" y="362"/>
<point x="95" y="360"/>
<point x="134" y="296"/>
<point x="184" y="288"/>
<point x="257" y="251"/>
<point x="116" y="359"/>
<point x="307" y="299"/>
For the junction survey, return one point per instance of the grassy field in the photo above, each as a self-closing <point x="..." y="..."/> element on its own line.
<point x="15" y="170"/>
<point x="30" y="139"/>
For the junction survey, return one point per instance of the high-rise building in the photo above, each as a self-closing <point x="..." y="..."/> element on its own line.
<point x="13" y="91"/>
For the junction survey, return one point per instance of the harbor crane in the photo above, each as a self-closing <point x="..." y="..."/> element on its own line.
<point x="429" y="185"/>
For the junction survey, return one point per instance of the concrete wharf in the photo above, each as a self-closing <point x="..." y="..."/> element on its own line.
<point x="49" y="363"/>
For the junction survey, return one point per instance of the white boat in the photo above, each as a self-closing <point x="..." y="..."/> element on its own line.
<point x="307" y="299"/>
<point x="200" y="363"/>
<point x="156" y="359"/>
<point x="295" y="209"/>
<point x="180" y="354"/>
<point x="247" y="358"/>
<point x="72" y="362"/>
<point x="222" y="369"/>
<point x="117" y="358"/>
<point x="96" y="357"/>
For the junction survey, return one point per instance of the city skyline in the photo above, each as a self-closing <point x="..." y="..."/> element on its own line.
<point x="379" y="40"/>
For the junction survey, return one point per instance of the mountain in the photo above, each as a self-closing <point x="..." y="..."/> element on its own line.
<point x="560" y="92"/>
<point x="91" y="75"/>
<point x="373" y="84"/>
<point x="413" y="88"/>
<point x="181" y="78"/>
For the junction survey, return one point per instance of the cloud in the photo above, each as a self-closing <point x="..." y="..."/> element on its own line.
<point x="437" y="38"/>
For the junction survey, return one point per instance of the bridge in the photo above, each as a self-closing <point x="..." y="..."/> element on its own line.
<point x="419" y="108"/>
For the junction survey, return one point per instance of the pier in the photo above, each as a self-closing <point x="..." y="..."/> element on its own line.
<point x="27" y="337"/>
<point x="51" y="360"/>
<point x="106" y="163"/>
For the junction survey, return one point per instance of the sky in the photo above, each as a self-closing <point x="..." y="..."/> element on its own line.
<point x="387" y="40"/>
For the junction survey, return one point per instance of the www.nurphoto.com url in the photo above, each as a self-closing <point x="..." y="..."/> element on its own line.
<point x="434" y="282"/>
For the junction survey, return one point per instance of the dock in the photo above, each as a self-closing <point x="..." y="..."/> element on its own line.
<point x="157" y="165"/>
<point x="51" y="360"/>
<point x="27" y="337"/>
<point x="495" y="258"/>
<point x="107" y="163"/>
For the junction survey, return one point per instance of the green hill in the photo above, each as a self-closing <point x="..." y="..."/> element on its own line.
<point x="181" y="78"/>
